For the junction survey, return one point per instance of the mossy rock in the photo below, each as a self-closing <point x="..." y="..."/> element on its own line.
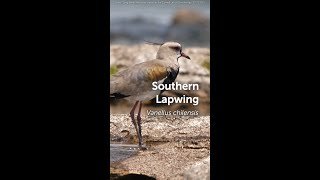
<point x="113" y="70"/>
<point x="206" y="63"/>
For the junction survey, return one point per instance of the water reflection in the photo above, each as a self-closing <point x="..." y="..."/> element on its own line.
<point x="122" y="151"/>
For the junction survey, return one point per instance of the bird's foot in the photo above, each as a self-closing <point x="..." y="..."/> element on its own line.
<point x="143" y="147"/>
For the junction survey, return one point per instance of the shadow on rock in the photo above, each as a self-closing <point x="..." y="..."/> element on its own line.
<point x="130" y="177"/>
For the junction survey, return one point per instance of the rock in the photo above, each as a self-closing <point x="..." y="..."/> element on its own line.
<point x="163" y="128"/>
<point x="198" y="171"/>
<point x="132" y="176"/>
<point x="163" y="161"/>
<point x="124" y="56"/>
<point x="190" y="27"/>
<point x="175" y="144"/>
<point x="190" y="17"/>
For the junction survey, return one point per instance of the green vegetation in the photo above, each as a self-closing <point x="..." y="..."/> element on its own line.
<point x="206" y="63"/>
<point x="113" y="70"/>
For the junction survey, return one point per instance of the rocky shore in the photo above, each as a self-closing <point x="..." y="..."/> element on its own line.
<point x="178" y="147"/>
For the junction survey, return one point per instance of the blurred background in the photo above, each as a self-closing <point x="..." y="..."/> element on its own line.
<point x="155" y="20"/>
<point x="186" y="22"/>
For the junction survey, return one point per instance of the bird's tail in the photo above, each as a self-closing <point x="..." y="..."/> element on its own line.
<point x="114" y="89"/>
<point x="112" y="86"/>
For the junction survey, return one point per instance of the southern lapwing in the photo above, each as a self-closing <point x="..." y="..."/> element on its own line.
<point x="135" y="83"/>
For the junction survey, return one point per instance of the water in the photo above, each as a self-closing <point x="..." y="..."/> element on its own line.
<point x="160" y="12"/>
<point x="134" y="21"/>
<point x="122" y="151"/>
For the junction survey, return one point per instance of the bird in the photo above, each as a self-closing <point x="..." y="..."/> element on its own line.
<point x="135" y="82"/>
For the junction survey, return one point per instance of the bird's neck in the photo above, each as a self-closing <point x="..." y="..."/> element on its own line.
<point x="173" y="58"/>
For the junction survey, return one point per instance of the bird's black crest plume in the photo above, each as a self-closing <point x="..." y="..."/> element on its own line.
<point x="153" y="43"/>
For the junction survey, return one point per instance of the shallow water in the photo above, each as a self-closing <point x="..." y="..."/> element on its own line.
<point x="122" y="151"/>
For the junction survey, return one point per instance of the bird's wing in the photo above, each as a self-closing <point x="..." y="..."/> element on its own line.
<point x="139" y="78"/>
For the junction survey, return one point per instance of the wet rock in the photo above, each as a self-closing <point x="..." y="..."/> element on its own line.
<point x="178" y="144"/>
<point x="160" y="128"/>
<point x="164" y="161"/>
<point x="198" y="171"/>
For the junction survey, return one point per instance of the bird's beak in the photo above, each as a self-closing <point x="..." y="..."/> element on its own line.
<point x="184" y="55"/>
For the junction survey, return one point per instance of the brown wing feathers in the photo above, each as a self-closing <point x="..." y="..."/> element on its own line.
<point x="156" y="73"/>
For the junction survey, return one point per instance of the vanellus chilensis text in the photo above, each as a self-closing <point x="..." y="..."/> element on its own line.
<point x="135" y="83"/>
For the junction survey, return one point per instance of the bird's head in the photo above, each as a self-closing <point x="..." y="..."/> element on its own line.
<point x="170" y="49"/>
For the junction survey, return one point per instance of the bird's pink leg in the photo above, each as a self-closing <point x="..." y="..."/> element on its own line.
<point x="139" y="124"/>
<point x="132" y="118"/>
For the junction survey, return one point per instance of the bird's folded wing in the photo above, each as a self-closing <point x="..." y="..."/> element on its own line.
<point x="156" y="73"/>
<point x="138" y="78"/>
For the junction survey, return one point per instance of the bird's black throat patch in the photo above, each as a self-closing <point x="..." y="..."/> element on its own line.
<point x="171" y="77"/>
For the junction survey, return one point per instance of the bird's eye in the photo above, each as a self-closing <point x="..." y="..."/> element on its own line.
<point x="176" y="48"/>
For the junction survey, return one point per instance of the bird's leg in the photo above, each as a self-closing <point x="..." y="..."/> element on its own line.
<point x="132" y="118"/>
<point x="139" y="125"/>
